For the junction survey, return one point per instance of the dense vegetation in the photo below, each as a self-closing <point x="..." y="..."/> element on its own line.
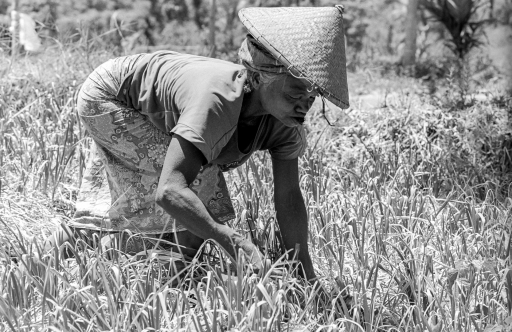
<point x="408" y="198"/>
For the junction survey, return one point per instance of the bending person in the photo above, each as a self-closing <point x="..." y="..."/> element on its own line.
<point x="165" y="125"/>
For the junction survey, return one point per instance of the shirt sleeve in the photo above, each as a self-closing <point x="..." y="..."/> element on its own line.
<point x="288" y="143"/>
<point x="209" y="106"/>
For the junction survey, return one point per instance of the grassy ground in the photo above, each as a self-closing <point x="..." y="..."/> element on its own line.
<point x="407" y="196"/>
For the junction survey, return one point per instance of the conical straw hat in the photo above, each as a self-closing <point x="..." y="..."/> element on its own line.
<point x="309" y="41"/>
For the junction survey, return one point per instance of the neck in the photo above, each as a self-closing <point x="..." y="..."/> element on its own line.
<point x="251" y="106"/>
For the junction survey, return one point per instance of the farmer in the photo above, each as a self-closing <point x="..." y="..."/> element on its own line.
<point x="165" y="125"/>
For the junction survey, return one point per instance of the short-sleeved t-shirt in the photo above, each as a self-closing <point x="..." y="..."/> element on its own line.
<point x="200" y="99"/>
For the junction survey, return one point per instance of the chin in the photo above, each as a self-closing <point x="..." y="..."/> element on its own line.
<point x="291" y="123"/>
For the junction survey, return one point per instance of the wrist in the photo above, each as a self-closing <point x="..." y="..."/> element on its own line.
<point x="233" y="241"/>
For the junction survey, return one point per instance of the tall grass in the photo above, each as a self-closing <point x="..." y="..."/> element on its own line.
<point x="409" y="225"/>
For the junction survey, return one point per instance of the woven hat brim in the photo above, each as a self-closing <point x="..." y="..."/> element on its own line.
<point x="309" y="41"/>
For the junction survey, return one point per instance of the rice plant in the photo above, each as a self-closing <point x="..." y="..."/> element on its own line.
<point x="409" y="214"/>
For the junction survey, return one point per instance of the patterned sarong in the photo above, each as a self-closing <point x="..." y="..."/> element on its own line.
<point x="124" y="165"/>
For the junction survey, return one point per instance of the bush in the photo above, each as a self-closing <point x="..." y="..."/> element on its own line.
<point x="460" y="19"/>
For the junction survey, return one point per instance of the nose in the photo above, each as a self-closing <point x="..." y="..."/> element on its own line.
<point x="311" y="100"/>
<point x="301" y="109"/>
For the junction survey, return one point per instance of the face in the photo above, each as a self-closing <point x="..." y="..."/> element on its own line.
<point x="288" y="99"/>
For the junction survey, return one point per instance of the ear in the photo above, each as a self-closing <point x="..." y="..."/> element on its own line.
<point x="255" y="79"/>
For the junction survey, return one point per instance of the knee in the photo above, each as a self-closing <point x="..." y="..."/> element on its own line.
<point x="188" y="242"/>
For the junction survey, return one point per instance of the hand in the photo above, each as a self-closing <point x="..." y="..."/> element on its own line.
<point x="253" y="255"/>
<point x="257" y="261"/>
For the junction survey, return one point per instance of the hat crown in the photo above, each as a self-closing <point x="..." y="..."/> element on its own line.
<point x="308" y="40"/>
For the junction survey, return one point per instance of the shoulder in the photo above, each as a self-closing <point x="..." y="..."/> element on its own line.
<point x="165" y="64"/>
<point x="207" y="71"/>
<point x="208" y="94"/>
<point x="197" y="75"/>
<point x="191" y="64"/>
<point x="209" y="78"/>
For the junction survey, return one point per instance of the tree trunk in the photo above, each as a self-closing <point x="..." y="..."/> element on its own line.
<point x="389" y="40"/>
<point x="411" y="28"/>
<point x="197" y="15"/>
<point x="231" y="13"/>
<point x="211" y="37"/>
<point x="510" y="73"/>
<point x="155" y="10"/>
<point x="15" y="26"/>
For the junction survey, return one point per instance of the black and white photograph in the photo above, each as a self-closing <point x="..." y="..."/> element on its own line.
<point x="256" y="165"/>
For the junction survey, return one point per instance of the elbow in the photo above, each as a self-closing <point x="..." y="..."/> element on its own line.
<point x="165" y="196"/>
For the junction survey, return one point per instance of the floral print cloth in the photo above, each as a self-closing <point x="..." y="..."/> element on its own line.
<point x="124" y="165"/>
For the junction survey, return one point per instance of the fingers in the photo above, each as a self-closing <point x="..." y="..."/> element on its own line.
<point x="259" y="263"/>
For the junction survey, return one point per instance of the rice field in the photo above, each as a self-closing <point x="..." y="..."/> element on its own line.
<point x="408" y="199"/>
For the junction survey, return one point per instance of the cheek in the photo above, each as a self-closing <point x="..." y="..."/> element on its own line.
<point x="284" y="102"/>
<point x="276" y="102"/>
<point x="284" y="106"/>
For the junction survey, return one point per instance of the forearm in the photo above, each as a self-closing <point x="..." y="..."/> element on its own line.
<point x="292" y="219"/>
<point x="184" y="205"/>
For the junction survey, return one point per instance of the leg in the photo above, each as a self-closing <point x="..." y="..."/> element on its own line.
<point x="187" y="243"/>
<point x="181" y="242"/>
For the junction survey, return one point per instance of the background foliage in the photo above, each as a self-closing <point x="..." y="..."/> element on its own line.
<point x="408" y="195"/>
<point x="374" y="29"/>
